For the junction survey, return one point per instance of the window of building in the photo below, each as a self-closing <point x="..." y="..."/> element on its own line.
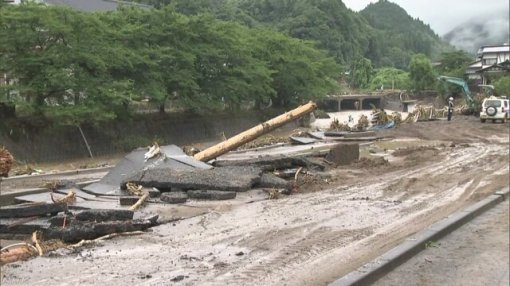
<point x="489" y="61"/>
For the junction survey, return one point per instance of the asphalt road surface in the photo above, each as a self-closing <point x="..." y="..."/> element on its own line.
<point x="475" y="254"/>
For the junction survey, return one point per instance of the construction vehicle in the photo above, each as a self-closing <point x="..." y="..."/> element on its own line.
<point x="473" y="105"/>
<point x="463" y="84"/>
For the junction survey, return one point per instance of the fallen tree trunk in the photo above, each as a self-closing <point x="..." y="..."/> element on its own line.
<point x="91" y="230"/>
<point x="253" y="133"/>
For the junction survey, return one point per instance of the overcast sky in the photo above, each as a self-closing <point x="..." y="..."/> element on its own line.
<point x="442" y="15"/>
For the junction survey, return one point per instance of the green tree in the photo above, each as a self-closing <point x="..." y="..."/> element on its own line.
<point x="454" y="63"/>
<point x="228" y="72"/>
<point x="361" y="72"/>
<point x="502" y="86"/>
<point x="421" y="73"/>
<point x="390" y="78"/>
<point x="300" y="71"/>
<point x="60" y="61"/>
<point x="158" y="57"/>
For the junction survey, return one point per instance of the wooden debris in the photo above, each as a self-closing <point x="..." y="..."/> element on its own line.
<point x="23" y="251"/>
<point x="253" y="133"/>
<point x="335" y="125"/>
<point x="35" y="241"/>
<point x="69" y="199"/>
<point x="79" y="230"/>
<point x="362" y="123"/>
<point x="154" y="151"/>
<point x="6" y="161"/>
<point x="273" y="193"/>
<point x="140" y="202"/>
<point x="20" y="252"/>
<point x="134" y="189"/>
<point x="108" y="236"/>
<point x="295" y="185"/>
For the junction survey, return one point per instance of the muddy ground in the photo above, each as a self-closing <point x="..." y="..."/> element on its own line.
<point x="332" y="226"/>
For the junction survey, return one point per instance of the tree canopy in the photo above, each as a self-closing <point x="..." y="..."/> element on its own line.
<point x="361" y="73"/>
<point x="421" y="73"/>
<point x="390" y="78"/>
<point x="74" y="67"/>
<point x="453" y="63"/>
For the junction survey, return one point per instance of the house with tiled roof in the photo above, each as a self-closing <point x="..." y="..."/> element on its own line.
<point x="490" y="60"/>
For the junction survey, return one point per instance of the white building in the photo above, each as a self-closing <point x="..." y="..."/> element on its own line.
<point x="490" y="59"/>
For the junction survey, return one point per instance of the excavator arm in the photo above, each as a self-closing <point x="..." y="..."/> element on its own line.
<point x="463" y="84"/>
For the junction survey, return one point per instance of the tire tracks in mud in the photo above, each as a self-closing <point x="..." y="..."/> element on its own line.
<point x="321" y="240"/>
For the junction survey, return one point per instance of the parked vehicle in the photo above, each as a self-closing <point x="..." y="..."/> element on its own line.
<point x="495" y="108"/>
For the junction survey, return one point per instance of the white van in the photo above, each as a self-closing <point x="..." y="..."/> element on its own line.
<point x="495" y="108"/>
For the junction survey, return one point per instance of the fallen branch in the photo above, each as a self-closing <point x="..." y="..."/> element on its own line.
<point x="70" y="198"/>
<point x="139" y="202"/>
<point x="154" y="150"/>
<point x="108" y="236"/>
<point x="19" y="244"/>
<point x="36" y="242"/>
<point x="296" y="188"/>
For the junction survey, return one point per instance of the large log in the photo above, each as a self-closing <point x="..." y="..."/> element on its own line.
<point x="253" y="133"/>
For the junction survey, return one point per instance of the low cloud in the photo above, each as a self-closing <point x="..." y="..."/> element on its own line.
<point x="491" y="29"/>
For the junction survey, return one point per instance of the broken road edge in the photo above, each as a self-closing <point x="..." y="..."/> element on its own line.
<point x="380" y="266"/>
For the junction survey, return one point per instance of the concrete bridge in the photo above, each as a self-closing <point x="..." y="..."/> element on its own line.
<point x="336" y="103"/>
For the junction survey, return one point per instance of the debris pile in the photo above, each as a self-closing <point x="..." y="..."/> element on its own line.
<point x="161" y="175"/>
<point x="337" y="126"/>
<point x="425" y="113"/>
<point x="6" y="161"/>
<point x="54" y="225"/>
<point x="381" y="118"/>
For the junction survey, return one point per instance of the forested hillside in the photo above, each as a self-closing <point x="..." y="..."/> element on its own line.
<point x="383" y="32"/>
<point x="399" y="36"/>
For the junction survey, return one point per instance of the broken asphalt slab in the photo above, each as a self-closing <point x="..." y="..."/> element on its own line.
<point x="31" y="210"/>
<point x="270" y="163"/>
<point x="171" y="157"/>
<point x="236" y="179"/>
<point x="174" y="197"/>
<point x="211" y="195"/>
<point x="269" y="180"/>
